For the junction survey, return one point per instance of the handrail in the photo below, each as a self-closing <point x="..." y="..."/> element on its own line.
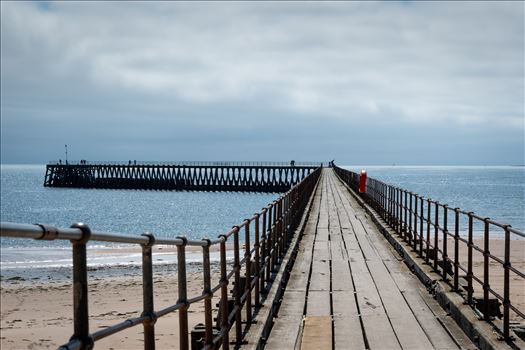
<point x="424" y="224"/>
<point x="186" y="163"/>
<point x="272" y="229"/>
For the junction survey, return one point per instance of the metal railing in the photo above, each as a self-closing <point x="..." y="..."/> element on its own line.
<point x="186" y="163"/>
<point x="271" y="229"/>
<point x="424" y="224"/>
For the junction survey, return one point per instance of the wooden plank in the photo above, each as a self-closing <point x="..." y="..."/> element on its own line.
<point x="379" y="333"/>
<point x="318" y="303"/>
<point x="317" y="333"/>
<point x="322" y="235"/>
<point x="285" y="333"/>
<point x="320" y="278"/>
<point x="322" y="251"/>
<point x="293" y="303"/>
<point x="338" y="251"/>
<point x="348" y="333"/>
<point x="342" y="280"/>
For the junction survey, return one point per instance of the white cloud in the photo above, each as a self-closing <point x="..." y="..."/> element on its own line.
<point x="451" y="62"/>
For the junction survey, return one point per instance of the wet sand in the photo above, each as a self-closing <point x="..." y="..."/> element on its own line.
<point x="38" y="315"/>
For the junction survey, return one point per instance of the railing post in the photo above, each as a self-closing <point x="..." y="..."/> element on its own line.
<point x="147" y="294"/>
<point x="398" y="211"/>
<point x="436" y="236"/>
<point x="415" y="220"/>
<point x="456" y="250"/>
<point x="248" y="271"/>
<point x="225" y="324"/>
<point x="237" y="286"/>
<point x="470" y="244"/>
<point x="486" y="284"/>
<point x="408" y="217"/>
<point x="258" y="278"/>
<point x="445" y="238"/>
<point x="80" y="288"/>
<point x="266" y="250"/>
<point x="208" y="319"/>
<point x="280" y="236"/>
<point x="428" y="231"/>
<point x="401" y="212"/>
<point x="383" y="200"/>
<point x="389" y="201"/>
<point x="506" y="286"/>
<point x="183" y="294"/>
<point x="275" y="238"/>
<point x="421" y="223"/>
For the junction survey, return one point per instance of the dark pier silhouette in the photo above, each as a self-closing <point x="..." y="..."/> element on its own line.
<point x="184" y="176"/>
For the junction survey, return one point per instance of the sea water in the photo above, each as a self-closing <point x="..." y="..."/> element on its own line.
<point x="166" y="214"/>
<point x="496" y="192"/>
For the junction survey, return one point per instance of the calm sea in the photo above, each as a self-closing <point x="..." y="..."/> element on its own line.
<point x="496" y="192"/>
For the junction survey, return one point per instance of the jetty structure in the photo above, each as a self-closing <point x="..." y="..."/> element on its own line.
<point x="337" y="261"/>
<point x="179" y="176"/>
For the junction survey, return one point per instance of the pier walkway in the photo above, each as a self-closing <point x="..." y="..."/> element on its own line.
<point x="348" y="289"/>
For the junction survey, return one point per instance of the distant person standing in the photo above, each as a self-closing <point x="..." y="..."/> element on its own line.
<point x="292" y="163"/>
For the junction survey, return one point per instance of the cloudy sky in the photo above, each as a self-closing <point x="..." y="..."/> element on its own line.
<point x="411" y="83"/>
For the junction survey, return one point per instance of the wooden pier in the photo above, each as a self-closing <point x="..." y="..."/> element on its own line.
<point x="191" y="176"/>
<point x="348" y="289"/>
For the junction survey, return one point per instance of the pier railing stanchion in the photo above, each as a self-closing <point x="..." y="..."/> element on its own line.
<point x="147" y="294"/>
<point x="225" y="323"/>
<point x="470" y="244"/>
<point x="436" y="236"/>
<point x="445" y="238"/>
<point x="405" y="224"/>
<point x="183" y="294"/>
<point x="456" y="250"/>
<point x="257" y="274"/>
<point x="415" y="240"/>
<point x="427" y="252"/>
<point x="80" y="288"/>
<point x="266" y="249"/>
<point x="486" y="281"/>
<point x="506" y="286"/>
<point x="248" y="271"/>
<point x="206" y="268"/>
<point x="237" y="286"/>
<point x="421" y="227"/>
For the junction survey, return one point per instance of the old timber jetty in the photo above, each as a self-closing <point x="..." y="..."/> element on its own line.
<point x="337" y="261"/>
<point x="179" y="176"/>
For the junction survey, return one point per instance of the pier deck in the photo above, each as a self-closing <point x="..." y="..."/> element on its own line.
<point x="348" y="289"/>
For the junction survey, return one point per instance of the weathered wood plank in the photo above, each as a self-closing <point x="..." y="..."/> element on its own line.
<point x="348" y="333"/>
<point x="342" y="280"/>
<point x="317" y="333"/>
<point x="320" y="279"/>
<point x="322" y="235"/>
<point x="318" y="303"/>
<point x="285" y="333"/>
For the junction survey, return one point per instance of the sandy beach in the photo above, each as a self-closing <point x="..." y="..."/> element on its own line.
<point x="38" y="314"/>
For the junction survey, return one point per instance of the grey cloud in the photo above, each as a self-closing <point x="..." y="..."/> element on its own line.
<point x="211" y="66"/>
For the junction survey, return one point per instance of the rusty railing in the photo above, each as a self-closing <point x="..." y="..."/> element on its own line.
<point x="426" y="226"/>
<point x="255" y="264"/>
